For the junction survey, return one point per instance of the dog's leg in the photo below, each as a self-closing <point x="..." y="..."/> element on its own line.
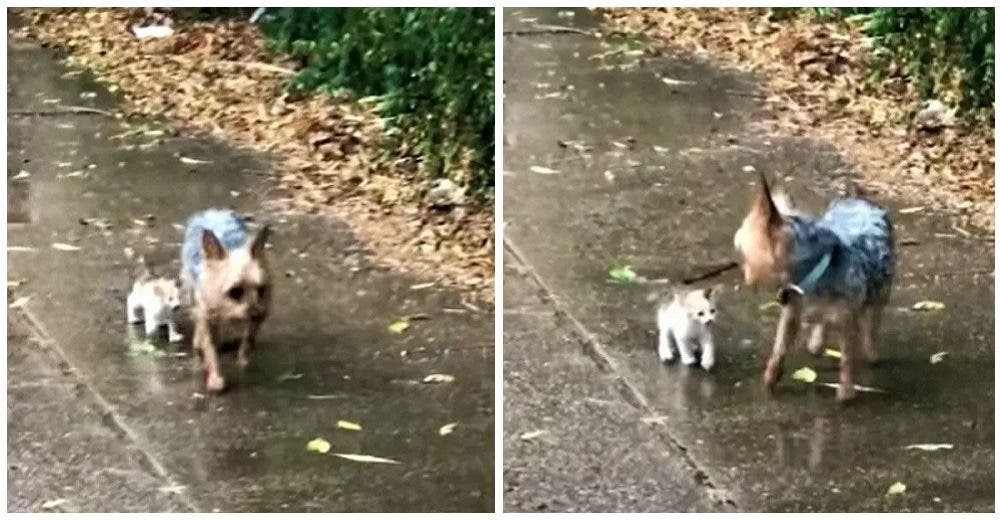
<point x="817" y="337"/>
<point x="788" y="327"/>
<point x="247" y="343"/>
<point x="848" y="354"/>
<point x="871" y="318"/>
<point x="204" y="342"/>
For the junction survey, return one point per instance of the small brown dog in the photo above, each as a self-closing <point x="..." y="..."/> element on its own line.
<point x="226" y="275"/>
<point x="840" y="264"/>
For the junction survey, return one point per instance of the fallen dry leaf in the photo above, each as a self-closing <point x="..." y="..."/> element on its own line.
<point x="542" y="170"/>
<point x="859" y="388"/>
<point x="447" y="429"/>
<point x="835" y="354"/>
<point x="20" y="302"/>
<point x="439" y="378"/>
<point x="896" y="489"/>
<point x="365" y="458"/>
<point x="59" y="246"/>
<point x="938" y="357"/>
<point x="930" y="447"/>
<point x="534" y="434"/>
<point x="188" y="160"/>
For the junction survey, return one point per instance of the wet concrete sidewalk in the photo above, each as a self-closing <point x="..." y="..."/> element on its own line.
<point x="93" y="426"/>
<point x="643" y="163"/>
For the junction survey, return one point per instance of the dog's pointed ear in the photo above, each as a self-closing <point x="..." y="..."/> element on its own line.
<point x="259" y="241"/>
<point x="763" y="203"/>
<point x="211" y="246"/>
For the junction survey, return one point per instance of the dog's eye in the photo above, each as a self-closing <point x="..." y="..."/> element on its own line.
<point x="236" y="293"/>
<point x="701" y="313"/>
<point x="712" y="311"/>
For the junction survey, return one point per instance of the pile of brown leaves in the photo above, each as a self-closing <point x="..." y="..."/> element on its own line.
<point x="218" y="77"/>
<point x="813" y="73"/>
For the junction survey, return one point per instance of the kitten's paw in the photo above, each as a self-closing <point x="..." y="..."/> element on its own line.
<point x="176" y="338"/>
<point x="707" y="364"/>
<point x="689" y="360"/>
<point x="242" y="361"/>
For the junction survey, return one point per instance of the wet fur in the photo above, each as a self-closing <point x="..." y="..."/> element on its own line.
<point x="227" y="277"/>
<point x="685" y="325"/>
<point x="778" y="244"/>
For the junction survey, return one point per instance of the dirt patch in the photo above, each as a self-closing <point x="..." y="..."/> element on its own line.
<point x="219" y="78"/>
<point x="813" y="75"/>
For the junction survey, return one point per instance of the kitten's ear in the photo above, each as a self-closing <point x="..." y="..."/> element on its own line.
<point x="712" y="293"/>
<point x="211" y="246"/>
<point x="257" y="246"/>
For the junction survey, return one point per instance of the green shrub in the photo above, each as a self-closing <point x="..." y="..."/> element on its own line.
<point x="432" y="68"/>
<point x="944" y="50"/>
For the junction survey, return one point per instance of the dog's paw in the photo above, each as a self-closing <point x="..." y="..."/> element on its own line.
<point x="214" y="383"/>
<point x="707" y="364"/>
<point x="242" y="361"/>
<point x="689" y="361"/>
<point x="176" y="338"/>
<point x="846" y="393"/>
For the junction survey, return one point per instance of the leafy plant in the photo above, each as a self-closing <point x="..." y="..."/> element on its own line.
<point x="431" y="69"/>
<point x="947" y="52"/>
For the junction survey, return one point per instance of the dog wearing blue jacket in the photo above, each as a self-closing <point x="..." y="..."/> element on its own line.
<point x="225" y="274"/>
<point x="838" y="266"/>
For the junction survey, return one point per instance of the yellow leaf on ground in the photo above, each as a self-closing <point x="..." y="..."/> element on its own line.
<point x="804" y="374"/>
<point x="59" y="246"/>
<point x="938" y="357"/>
<point x="832" y="353"/>
<point x="896" y="489"/>
<point x="318" y="445"/>
<point x="928" y="305"/>
<point x="348" y="425"/>
<point x="398" y="326"/>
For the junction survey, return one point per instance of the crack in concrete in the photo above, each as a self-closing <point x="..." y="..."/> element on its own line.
<point x="110" y="417"/>
<point x="599" y="354"/>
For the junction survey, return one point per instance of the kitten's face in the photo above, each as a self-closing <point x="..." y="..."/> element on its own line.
<point x="236" y="285"/>
<point x="700" y="306"/>
<point x="168" y="291"/>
